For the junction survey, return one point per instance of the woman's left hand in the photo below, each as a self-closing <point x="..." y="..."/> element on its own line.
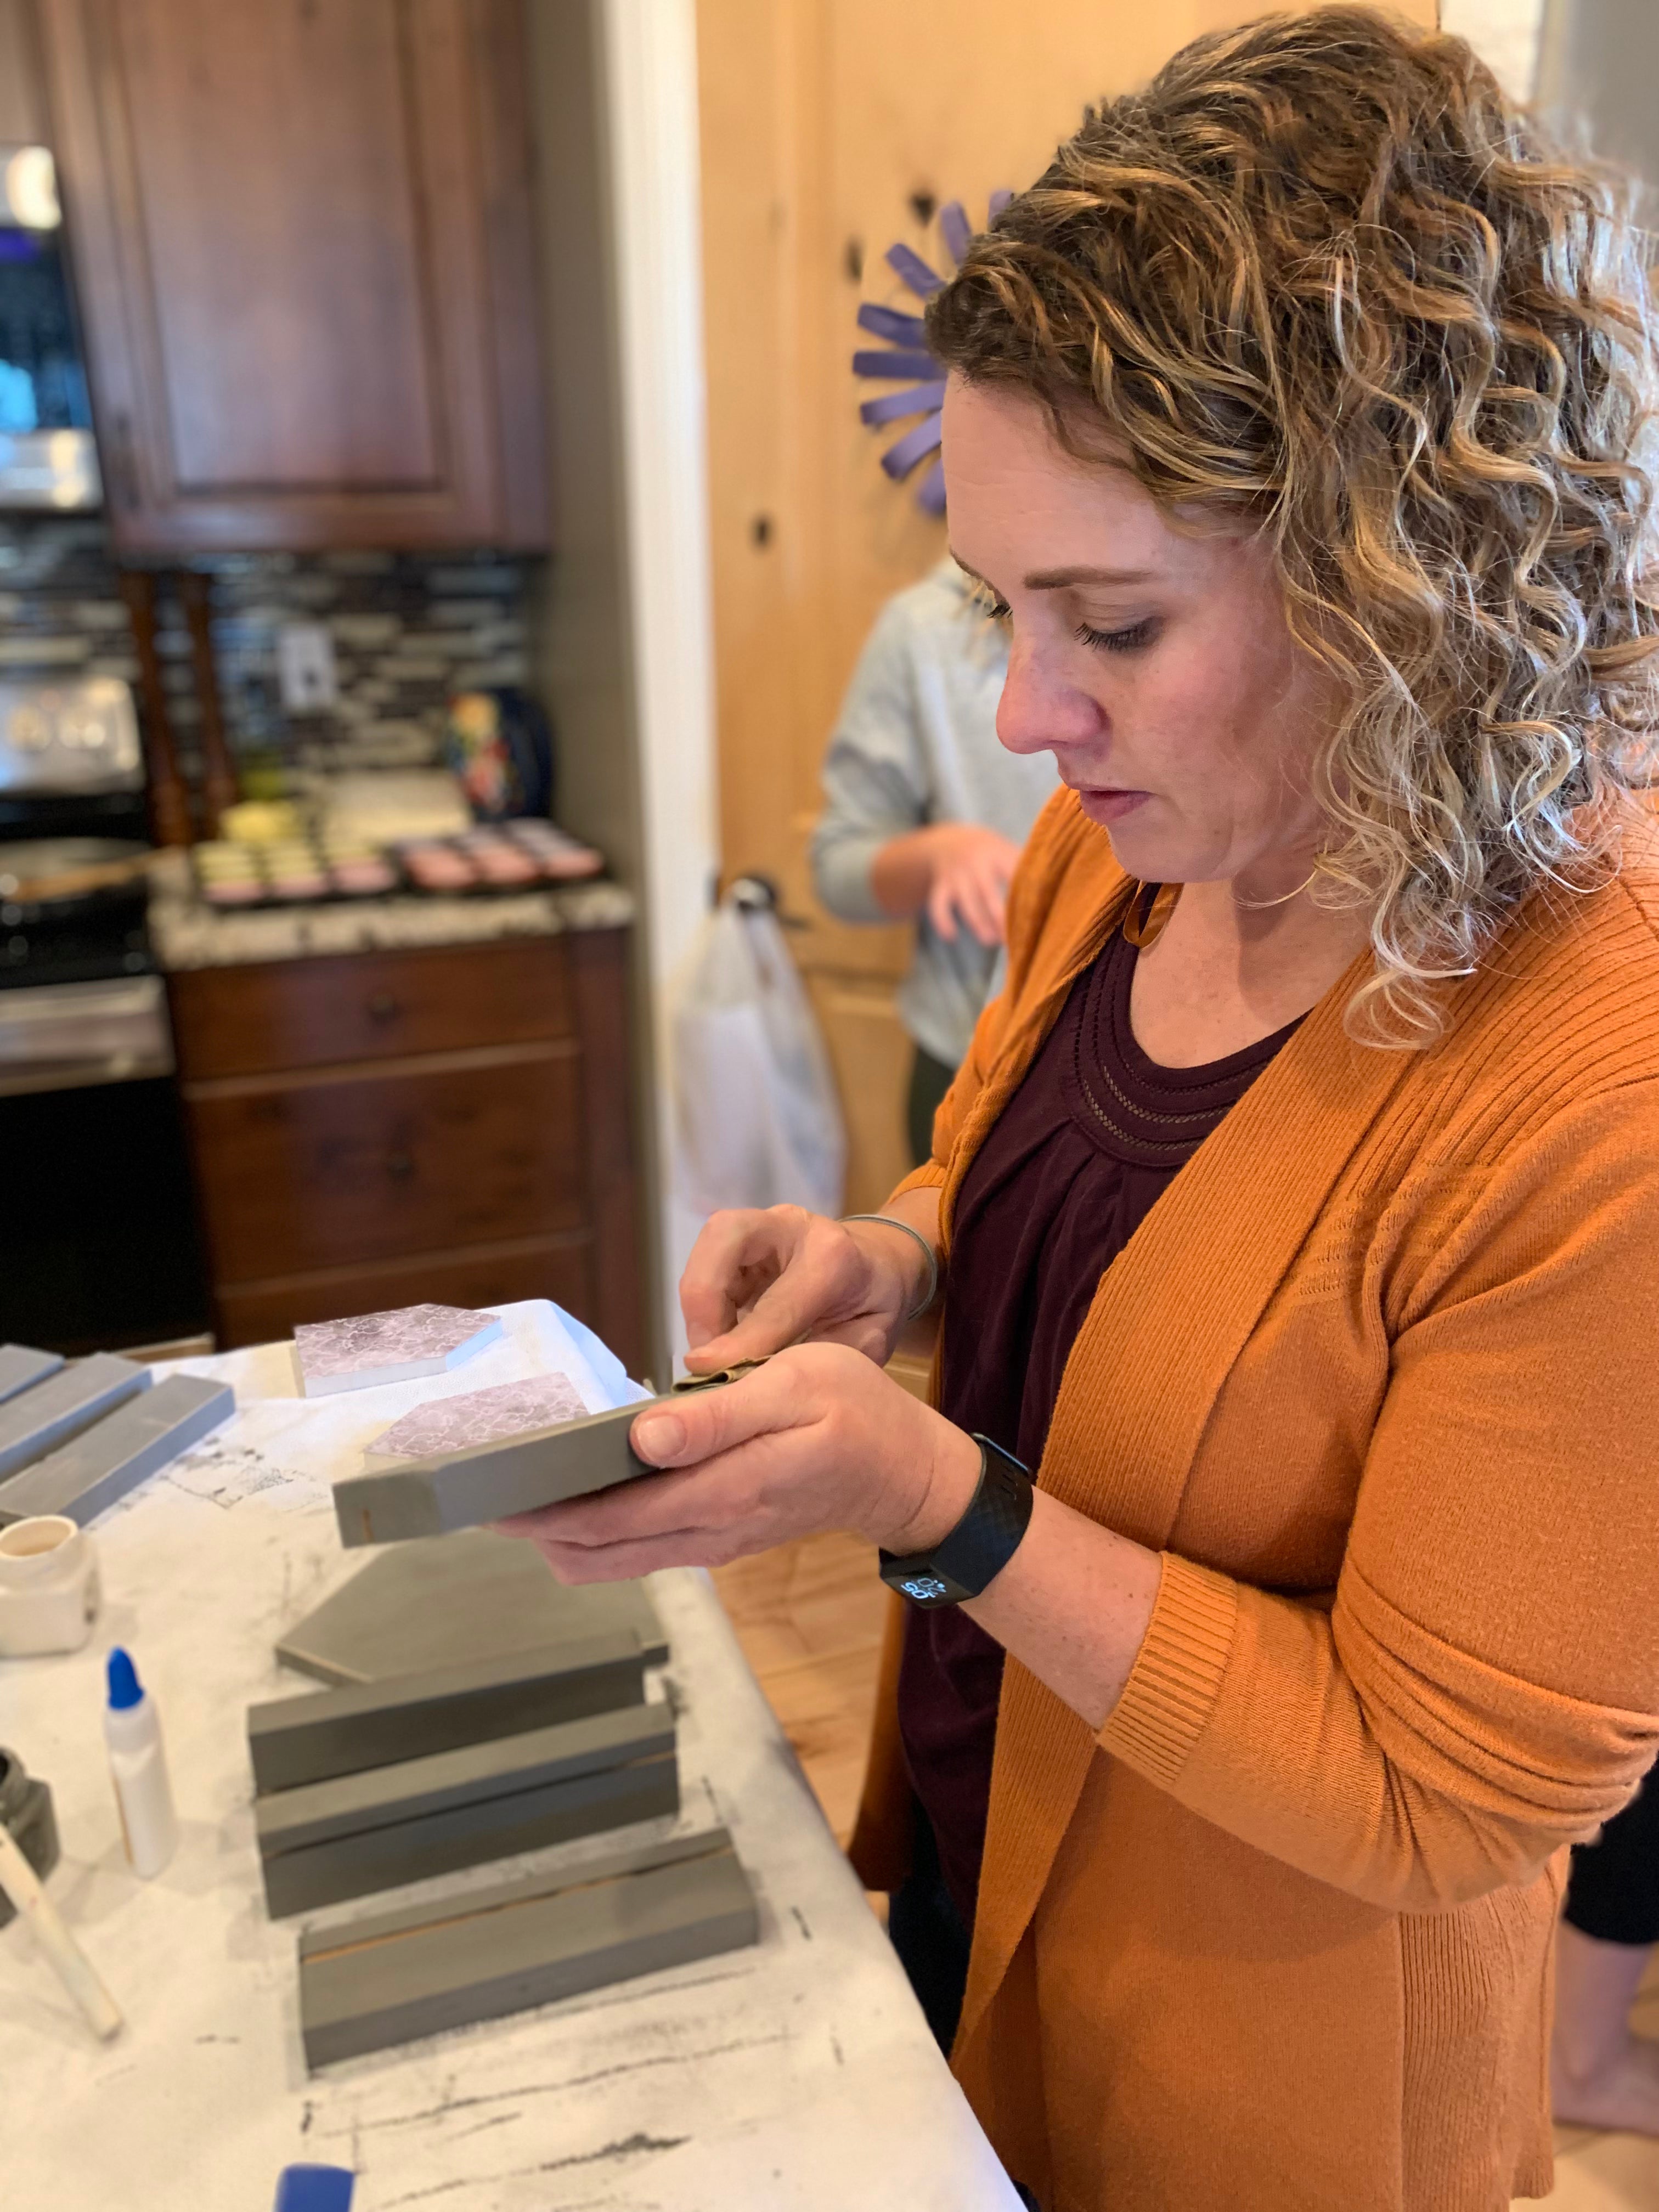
<point x="818" y="1439"/>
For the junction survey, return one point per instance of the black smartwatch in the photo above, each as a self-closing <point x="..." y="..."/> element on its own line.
<point x="960" y="1566"/>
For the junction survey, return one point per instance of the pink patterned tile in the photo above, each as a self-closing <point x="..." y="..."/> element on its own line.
<point x="396" y="1346"/>
<point x="481" y="1416"/>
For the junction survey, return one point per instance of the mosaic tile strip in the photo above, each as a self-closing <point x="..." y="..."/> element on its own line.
<point x="408" y="629"/>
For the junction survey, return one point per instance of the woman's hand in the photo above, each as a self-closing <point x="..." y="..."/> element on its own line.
<point x="957" y="873"/>
<point x="757" y="1281"/>
<point x="817" y="1439"/>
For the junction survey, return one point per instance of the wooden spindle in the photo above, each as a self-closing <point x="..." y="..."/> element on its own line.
<point x="169" y="802"/>
<point x="218" y="771"/>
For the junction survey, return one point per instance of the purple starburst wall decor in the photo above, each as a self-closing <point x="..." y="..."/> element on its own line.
<point x="904" y="358"/>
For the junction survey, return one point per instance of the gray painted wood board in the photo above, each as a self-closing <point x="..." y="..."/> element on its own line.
<point x="288" y="1819"/>
<point x="462" y="1489"/>
<point x="450" y="1599"/>
<point x="21" y="1366"/>
<point x="100" y="1465"/>
<point x="501" y="1950"/>
<point x="293" y="1740"/>
<point x="49" y="1412"/>
<point x="470" y="1835"/>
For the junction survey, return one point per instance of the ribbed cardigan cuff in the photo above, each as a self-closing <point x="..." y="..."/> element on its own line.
<point x="1177" y="1678"/>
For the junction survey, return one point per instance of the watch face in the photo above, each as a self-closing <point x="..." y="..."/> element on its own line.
<point x="924" y="1587"/>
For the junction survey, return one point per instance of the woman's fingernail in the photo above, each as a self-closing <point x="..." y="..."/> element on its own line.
<point x="658" y="1437"/>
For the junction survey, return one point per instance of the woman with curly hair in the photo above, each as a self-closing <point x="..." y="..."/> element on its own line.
<point x="1297" y="1209"/>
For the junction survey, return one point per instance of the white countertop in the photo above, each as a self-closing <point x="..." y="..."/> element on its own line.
<point x="188" y="933"/>
<point x="798" y="2076"/>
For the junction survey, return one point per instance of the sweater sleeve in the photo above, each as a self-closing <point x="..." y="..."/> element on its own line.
<point x="1485" y="1686"/>
<point x="875" y="777"/>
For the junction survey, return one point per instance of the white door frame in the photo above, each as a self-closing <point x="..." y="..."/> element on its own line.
<point x="649" y="73"/>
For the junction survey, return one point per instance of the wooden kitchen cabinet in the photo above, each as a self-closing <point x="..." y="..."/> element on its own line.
<point x="376" y="1129"/>
<point x="304" y="255"/>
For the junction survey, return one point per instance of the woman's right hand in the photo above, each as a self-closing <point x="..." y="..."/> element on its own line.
<point x="759" y="1281"/>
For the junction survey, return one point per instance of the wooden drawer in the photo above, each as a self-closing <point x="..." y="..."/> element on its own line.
<point x="560" y="1268"/>
<point x="369" y="1006"/>
<point x="331" y="1171"/>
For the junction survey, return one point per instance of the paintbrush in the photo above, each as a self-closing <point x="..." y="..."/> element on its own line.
<point x="23" y="1886"/>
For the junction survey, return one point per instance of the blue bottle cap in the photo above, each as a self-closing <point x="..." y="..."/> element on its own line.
<point x="125" y="1688"/>
<point x="314" y="2189"/>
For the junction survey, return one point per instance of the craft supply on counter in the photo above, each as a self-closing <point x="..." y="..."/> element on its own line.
<point x="500" y="1950"/>
<point x="314" y="2189"/>
<point x="480" y="1417"/>
<point x="21" y="1365"/>
<point x="138" y="1765"/>
<point x="465" y="1488"/>
<point x="116" y="1454"/>
<point x="294" y="1740"/>
<point x="389" y="1826"/>
<point x="366" y="1350"/>
<point x="25" y="1812"/>
<point x="452" y="1599"/>
<point x="48" y="1588"/>
<point x="22" y="1886"/>
<point x="39" y="1419"/>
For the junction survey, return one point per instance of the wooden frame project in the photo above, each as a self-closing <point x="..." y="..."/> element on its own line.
<point x="489" y="1482"/>
<point x="333" y="1840"/>
<point x="514" y="1944"/>
<point x="315" y="1737"/>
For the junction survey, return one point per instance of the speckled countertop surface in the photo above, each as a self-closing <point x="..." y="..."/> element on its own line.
<point x="186" y="934"/>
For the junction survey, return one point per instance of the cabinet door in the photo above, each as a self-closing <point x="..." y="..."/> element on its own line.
<point x="303" y="246"/>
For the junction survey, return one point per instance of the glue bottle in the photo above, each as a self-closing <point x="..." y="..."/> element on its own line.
<point x="139" y="1767"/>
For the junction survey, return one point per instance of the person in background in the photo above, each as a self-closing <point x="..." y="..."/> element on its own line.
<point x="1601" y="2076"/>
<point x="925" y="814"/>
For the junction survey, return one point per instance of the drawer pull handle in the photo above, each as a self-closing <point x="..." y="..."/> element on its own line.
<point x="383" y="1007"/>
<point x="400" y="1166"/>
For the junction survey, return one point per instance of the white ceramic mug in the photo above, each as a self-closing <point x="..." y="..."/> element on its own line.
<point x="48" y="1587"/>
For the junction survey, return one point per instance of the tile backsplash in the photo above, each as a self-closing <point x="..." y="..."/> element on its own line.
<point x="408" y="629"/>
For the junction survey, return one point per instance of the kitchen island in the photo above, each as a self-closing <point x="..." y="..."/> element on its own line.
<point x="799" y="2075"/>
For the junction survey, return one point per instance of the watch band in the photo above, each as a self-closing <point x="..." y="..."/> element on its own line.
<point x="962" y="1563"/>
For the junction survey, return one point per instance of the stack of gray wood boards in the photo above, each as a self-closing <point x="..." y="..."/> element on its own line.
<point x="462" y="1759"/>
<point x="75" y="1436"/>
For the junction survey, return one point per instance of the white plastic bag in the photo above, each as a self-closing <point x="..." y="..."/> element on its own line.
<point x="757" y="1119"/>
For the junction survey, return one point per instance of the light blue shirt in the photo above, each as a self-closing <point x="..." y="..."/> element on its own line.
<point x="915" y="744"/>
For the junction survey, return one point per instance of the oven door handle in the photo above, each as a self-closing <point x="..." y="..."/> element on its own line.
<point x="63" y="1037"/>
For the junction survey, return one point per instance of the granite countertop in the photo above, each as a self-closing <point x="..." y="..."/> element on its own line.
<point x="187" y="933"/>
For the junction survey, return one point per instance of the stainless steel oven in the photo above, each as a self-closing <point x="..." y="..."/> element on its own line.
<point x="47" y="457"/>
<point x="99" y="1245"/>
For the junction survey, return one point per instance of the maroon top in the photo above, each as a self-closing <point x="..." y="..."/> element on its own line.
<point x="1077" y="1160"/>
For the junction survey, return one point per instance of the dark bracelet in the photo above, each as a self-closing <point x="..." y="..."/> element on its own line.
<point x="962" y="1563"/>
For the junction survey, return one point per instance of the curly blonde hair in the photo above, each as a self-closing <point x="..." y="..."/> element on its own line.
<point x="1322" y="277"/>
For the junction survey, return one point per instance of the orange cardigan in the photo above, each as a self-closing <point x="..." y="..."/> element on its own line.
<point x="1379" y="1377"/>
